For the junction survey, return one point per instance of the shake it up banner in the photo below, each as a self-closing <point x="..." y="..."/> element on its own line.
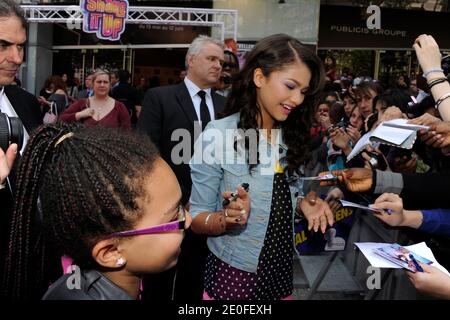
<point x="106" y="18"/>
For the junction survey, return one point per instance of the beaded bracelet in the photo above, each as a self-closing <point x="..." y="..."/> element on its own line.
<point x="432" y="70"/>
<point x="441" y="99"/>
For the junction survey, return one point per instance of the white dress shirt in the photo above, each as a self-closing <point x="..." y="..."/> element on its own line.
<point x="196" y="100"/>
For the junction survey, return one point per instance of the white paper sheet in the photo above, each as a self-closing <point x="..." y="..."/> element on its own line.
<point x="403" y="123"/>
<point x="376" y="261"/>
<point x="346" y="203"/>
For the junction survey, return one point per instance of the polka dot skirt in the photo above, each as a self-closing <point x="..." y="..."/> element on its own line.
<point x="274" y="276"/>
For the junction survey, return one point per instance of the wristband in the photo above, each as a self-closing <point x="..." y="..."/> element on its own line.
<point x="434" y="82"/>
<point x="441" y="99"/>
<point x="432" y="70"/>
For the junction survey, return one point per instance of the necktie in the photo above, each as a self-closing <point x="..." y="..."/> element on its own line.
<point x="205" y="117"/>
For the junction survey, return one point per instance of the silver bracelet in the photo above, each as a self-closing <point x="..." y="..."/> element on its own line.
<point x="207" y="218"/>
<point x="441" y="99"/>
<point x="432" y="70"/>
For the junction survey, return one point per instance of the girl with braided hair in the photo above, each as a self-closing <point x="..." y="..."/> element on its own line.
<point x="106" y="199"/>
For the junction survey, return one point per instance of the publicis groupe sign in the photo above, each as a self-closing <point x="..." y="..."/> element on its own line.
<point x="105" y="18"/>
<point x="362" y="30"/>
<point x="374" y="27"/>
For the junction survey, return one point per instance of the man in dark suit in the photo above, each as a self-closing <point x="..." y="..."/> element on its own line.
<point x="87" y="91"/>
<point x="124" y="92"/>
<point x="14" y="102"/>
<point x="167" y="113"/>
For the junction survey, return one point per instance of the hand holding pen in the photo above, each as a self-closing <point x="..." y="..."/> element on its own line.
<point x="369" y="208"/>
<point x="234" y="195"/>
<point x="236" y="206"/>
<point x="432" y="281"/>
<point x="391" y="209"/>
<point x="416" y="264"/>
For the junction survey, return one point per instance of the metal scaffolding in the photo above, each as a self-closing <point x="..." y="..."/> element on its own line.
<point x="226" y="20"/>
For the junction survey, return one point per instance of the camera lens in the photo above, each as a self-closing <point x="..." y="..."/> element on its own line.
<point x="11" y="131"/>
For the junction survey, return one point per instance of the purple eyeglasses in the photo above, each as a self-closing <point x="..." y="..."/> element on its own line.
<point x="174" y="225"/>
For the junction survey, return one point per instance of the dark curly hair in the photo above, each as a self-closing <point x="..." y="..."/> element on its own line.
<point x="75" y="186"/>
<point x="270" y="54"/>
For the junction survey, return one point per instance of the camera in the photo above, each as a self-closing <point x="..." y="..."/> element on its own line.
<point x="340" y="124"/>
<point x="377" y="161"/>
<point x="11" y="131"/>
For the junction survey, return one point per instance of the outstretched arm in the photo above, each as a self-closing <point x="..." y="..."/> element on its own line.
<point x="429" y="56"/>
<point x="6" y="162"/>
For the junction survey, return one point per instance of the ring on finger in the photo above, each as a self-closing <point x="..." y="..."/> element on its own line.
<point x="226" y="213"/>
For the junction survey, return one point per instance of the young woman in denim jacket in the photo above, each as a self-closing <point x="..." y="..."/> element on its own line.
<point x="262" y="141"/>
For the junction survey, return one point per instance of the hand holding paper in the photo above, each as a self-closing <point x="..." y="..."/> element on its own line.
<point x="420" y="249"/>
<point x="326" y="177"/>
<point x="438" y="136"/>
<point x="390" y="201"/>
<point x="369" y="208"/>
<point x="354" y="179"/>
<point x="397" y="132"/>
<point x="431" y="281"/>
<point x="426" y="120"/>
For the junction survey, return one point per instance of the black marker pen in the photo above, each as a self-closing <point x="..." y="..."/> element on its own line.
<point x="234" y="195"/>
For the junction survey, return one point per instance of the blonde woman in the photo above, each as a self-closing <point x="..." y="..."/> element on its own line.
<point x="100" y="109"/>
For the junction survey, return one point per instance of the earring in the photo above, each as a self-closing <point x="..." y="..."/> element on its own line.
<point x="120" y="262"/>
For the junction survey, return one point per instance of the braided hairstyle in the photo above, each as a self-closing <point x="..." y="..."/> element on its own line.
<point x="83" y="184"/>
<point x="274" y="53"/>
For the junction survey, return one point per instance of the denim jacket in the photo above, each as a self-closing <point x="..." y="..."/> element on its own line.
<point x="216" y="167"/>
